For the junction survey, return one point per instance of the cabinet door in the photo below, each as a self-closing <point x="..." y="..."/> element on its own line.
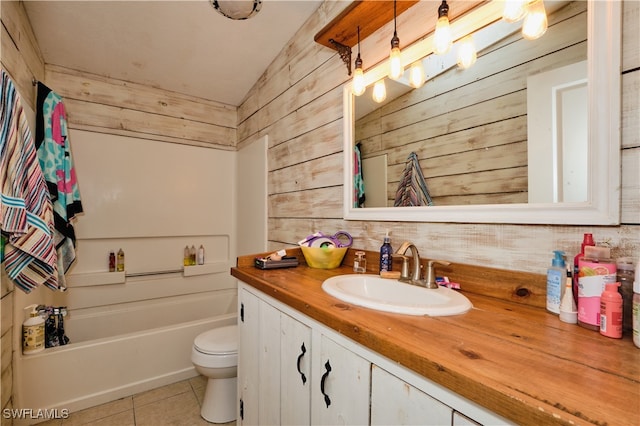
<point x="258" y="361"/>
<point x="248" y="358"/>
<point x="295" y="368"/>
<point x="340" y="393"/>
<point x="269" y="382"/>
<point x="395" y="402"/>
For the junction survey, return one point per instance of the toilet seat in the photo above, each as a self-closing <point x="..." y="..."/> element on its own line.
<point x="219" y="341"/>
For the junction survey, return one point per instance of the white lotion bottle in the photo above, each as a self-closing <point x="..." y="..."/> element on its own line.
<point x="33" y="332"/>
<point x="568" y="308"/>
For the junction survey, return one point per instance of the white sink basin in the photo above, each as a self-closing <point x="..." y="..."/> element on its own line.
<point x="388" y="295"/>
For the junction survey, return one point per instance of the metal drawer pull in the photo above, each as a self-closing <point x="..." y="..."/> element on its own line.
<point x="304" y="351"/>
<point x="327" y="367"/>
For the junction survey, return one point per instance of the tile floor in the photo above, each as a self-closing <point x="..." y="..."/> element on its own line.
<point x="177" y="404"/>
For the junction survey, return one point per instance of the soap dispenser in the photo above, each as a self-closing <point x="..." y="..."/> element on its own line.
<point x="386" y="251"/>
<point x="555" y="279"/>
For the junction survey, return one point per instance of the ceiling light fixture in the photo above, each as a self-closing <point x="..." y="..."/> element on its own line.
<point x="442" y="38"/>
<point x="358" y="75"/>
<point x="535" y="21"/>
<point x="237" y="9"/>
<point x="395" y="61"/>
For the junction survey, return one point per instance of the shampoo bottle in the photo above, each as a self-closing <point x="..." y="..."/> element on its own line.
<point x="385" y="254"/>
<point x="33" y="332"/>
<point x="201" y="255"/>
<point x="611" y="311"/>
<point x="555" y="280"/>
<point x="120" y="261"/>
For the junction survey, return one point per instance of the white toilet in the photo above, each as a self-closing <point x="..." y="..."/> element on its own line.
<point x="215" y="355"/>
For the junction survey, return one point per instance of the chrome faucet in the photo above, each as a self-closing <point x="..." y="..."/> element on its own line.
<point x="415" y="275"/>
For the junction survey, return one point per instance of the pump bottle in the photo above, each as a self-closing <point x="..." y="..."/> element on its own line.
<point x="555" y="280"/>
<point x="33" y="332"/>
<point x="587" y="240"/>
<point x="386" y="251"/>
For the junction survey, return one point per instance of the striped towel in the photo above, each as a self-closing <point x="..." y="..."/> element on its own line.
<point x="26" y="212"/>
<point x="412" y="189"/>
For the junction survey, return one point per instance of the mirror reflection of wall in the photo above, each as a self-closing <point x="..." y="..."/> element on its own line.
<point x="469" y="127"/>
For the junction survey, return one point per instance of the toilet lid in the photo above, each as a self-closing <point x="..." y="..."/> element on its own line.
<point x="223" y="340"/>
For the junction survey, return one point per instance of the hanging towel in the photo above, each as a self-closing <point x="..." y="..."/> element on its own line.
<point x="358" y="181"/>
<point x="54" y="154"/>
<point x="412" y="189"/>
<point x="26" y="212"/>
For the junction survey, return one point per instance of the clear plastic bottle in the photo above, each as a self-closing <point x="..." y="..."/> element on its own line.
<point x="555" y="282"/>
<point x="201" y="255"/>
<point x="624" y="275"/>
<point x="120" y="261"/>
<point x="360" y="263"/>
<point x="186" y="257"/>
<point x="192" y="255"/>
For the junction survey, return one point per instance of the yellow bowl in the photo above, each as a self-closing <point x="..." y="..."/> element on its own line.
<point x="324" y="257"/>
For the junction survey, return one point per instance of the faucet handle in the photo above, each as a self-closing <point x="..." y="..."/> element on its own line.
<point x="404" y="274"/>
<point x="430" y="280"/>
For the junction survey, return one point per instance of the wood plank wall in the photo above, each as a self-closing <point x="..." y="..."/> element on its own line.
<point x="21" y="58"/>
<point x="468" y="128"/>
<point x="298" y="103"/>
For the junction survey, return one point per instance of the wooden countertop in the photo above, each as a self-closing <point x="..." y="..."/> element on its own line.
<point x="515" y="359"/>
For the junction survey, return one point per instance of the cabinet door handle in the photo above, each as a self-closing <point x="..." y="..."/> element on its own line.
<point x="327" y="367"/>
<point x="304" y="351"/>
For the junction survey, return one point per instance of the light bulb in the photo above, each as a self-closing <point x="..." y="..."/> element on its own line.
<point x="416" y="75"/>
<point x="358" y="82"/>
<point x="358" y="76"/>
<point x="379" y="91"/>
<point x="514" y="10"/>
<point x="442" y="38"/>
<point x="395" y="61"/>
<point x="467" y="52"/>
<point x="395" y="64"/>
<point x="535" y="23"/>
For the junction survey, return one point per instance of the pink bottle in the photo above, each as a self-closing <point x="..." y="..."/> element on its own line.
<point x="587" y="240"/>
<point x="611" y="311"/>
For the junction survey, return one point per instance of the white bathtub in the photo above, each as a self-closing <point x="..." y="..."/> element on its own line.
<point x="121" y="350"/>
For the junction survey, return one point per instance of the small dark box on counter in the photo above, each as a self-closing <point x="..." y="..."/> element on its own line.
<point x="285" y="262"/>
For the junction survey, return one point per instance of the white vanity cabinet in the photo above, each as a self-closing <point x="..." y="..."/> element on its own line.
<point x="289" y="374"/>
<point x="293" y="370"/>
